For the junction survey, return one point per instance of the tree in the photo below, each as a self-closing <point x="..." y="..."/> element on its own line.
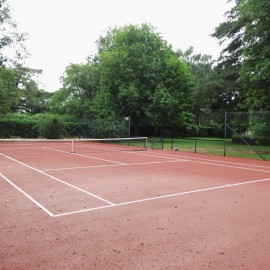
<point x="255" y="71"/>
<point x="58" y="102"/>
<point x="246" y="33"/>
<point x="33" y="100"/>
<point x="18" y="89"/>
<point x="135" y="62"/>
<point x="80" y="85"/>
<point x="205" y="80"/>
<point x="101" y="106"/>
<point x="162" y="109"/>
<point x="10" y="38"/>
<point x="9" y="94"/>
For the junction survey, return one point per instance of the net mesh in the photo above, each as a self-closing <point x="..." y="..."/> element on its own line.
<point x="19" y="146"/>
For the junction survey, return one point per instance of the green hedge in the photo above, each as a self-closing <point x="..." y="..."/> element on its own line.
<point x="264" y="141"/>
<point x="57" y="126"/>
<point x="33" y="126"/>
<point x="17" y="128"/>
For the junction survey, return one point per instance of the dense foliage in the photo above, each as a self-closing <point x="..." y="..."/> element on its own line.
<point x="136" y="73"/>
<point x="245" y="60"/>
<point x="19" y="92"/>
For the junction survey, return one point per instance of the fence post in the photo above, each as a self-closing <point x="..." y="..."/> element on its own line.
<point x="225" y="134"/>
<point x="172" y="144"/>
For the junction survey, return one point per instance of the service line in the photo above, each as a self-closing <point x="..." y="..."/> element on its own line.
<point x="164" y="196"/>
<point x="81" y="155"/>
<point x="58" y="180"/>
<point x="114" y="165"/>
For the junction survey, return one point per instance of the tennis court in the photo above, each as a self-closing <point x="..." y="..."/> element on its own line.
<point x="117" y="205"/>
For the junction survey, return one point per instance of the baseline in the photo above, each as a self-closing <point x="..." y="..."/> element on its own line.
<point x="164" y="197"/>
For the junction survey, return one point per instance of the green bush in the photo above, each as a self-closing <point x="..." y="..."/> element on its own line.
<point x="209" y="131"/>
<point x="51" y="128"/>
<point x="18" y="128"/>
<point x="32" y="126"/>
<point x="108" y="128"/>
<point x="263" y="141"/>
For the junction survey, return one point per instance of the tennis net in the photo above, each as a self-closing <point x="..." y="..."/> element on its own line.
<point x="36" y="146"/>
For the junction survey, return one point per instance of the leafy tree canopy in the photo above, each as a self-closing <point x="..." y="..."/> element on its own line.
<point x="133" y="67"/>
<point x="19" y="92"/>
<point x="136" y="66"/>
<point x="246" y="34"/>
<point x="12" y="49"/>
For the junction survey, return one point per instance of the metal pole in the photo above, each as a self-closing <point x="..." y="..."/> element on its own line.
<point x="225" y="133"/>
<point x="72" y="147"/>
<point x="129" y="126"/>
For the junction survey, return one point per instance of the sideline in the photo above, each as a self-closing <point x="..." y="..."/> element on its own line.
<point x="28" y="196"/>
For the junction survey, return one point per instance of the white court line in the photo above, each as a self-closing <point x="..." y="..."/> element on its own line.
<point x="59" y="180"/>
<point x="102" y="159"/>
<point x="230" y="166"/>
<point x="28" y="196"/>
<point x="112" y="148"/>
<point x="213" y="162"/>
<point x="174" y="159"/>
<point x="114" y="165"/>
<point x="178" y="159"/>
<point x="91" y="157"/>
<point x="163" y="197"/>
<point x="146" y="153"/>
<point x="210" y="160"/>
<point x="170" y="195"/>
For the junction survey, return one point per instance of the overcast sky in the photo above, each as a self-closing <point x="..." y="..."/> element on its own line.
<point x="65" y="31"/>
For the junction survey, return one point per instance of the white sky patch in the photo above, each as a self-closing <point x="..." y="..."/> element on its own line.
<point x="65" y="31"/>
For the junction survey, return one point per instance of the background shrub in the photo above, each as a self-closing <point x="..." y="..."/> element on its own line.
<point x="51" y="128"/>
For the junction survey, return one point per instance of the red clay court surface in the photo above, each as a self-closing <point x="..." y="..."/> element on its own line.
<point x="134" y="210"/>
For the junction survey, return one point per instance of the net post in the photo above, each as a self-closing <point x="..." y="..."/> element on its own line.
<point x="72" y="146"/>
<point x="145" y="143"/>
